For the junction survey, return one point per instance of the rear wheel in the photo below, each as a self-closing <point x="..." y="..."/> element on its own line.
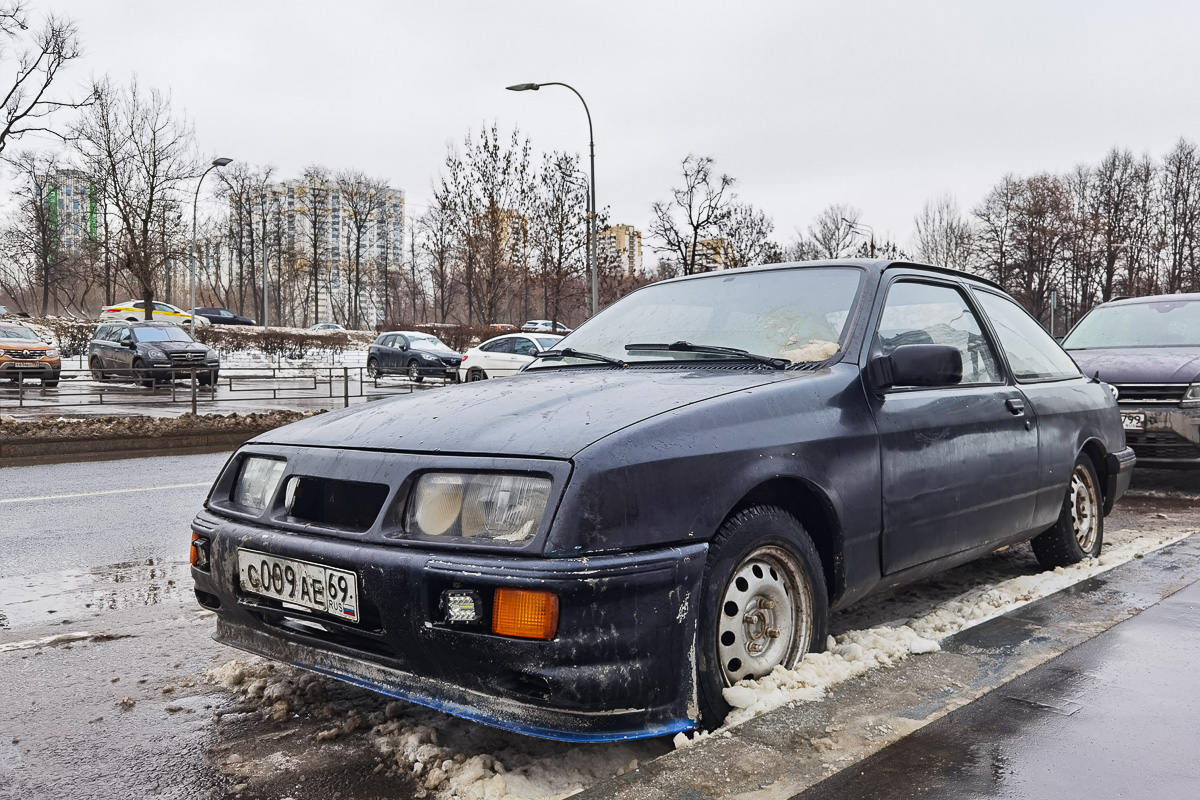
<point x="476" y="375"/>
<point x="50" y="383"/>
<point x="1079" y="532"/>
<point x="414" y="372"/>
<point x="765" y="604"/>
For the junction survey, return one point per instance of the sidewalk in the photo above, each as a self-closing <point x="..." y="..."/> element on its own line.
<point x="1117" y="716"/>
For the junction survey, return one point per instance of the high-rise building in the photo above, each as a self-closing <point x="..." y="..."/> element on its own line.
<point x="314" y="224"/>
<point x="73" y="208"/>
<point x="621" y="244"/>
<point x="713" y="254"/>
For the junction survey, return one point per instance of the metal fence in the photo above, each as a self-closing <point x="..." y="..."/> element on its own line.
<point x="318" y="385"/>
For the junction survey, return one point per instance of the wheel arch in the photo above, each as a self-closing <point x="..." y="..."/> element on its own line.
<point x="1096" y="452"/>
<point x="809" y="504"/>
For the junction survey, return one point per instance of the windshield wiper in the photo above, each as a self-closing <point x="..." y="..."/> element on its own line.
<point x="568" y="352"/>
<point x="688" y="347"/>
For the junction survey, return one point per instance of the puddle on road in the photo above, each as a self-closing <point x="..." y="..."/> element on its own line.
<point x="75" y="594"/>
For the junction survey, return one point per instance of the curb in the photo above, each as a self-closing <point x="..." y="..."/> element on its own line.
<point x="782" y="753"/>
<point x="56" y="451"/>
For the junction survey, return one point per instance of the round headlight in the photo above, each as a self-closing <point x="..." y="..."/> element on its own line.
<point x="437" y="503"/>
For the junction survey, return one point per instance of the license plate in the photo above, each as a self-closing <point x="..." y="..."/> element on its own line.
<point x="300" y="583"/>
<point x="27" y="364"/>
<point x="1133" y="422"/>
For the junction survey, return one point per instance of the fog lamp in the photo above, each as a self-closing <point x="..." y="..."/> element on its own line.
<point x="525" y="614"/>
<point x="462" y="605"/>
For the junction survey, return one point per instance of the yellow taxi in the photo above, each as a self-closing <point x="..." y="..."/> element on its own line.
<point x="23" y="356"/>
<point x="135" y="311"/>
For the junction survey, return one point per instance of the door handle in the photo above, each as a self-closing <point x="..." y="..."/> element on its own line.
<point x="1015" y="405"/>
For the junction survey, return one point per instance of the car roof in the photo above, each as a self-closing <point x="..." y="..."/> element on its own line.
<point x="877" y="266"/>
<point x="1153" y="298"/>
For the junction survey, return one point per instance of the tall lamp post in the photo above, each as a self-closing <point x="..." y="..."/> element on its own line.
<point x="217" y="162"/>
<point x="854" y="228"/>
<point x="527" y="87"/>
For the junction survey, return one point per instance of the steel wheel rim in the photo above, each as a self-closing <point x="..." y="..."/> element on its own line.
<point x="765" y="617"/>
<point x="1084" y="509"/>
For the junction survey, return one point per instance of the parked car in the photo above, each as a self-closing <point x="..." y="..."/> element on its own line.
<point x="503" y="355"/>
<point x="135" y="311"/>
<point x="417" y="355"/>
<point x="504" y="327"/>
<point x="223" y="316"/>
<point x="1148" y="350"/>
<point x="148" y="352"/>
<point x="23" y="356"/>
<point x="544" y="326"/>
<point x="326" y="326"/>
<point x="668" y="504"/>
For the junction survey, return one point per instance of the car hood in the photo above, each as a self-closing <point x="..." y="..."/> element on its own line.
<point x="546" y="413"/>
<point x="23" y="344"/>
<point x="1140" y="364"/>
<point x="179" y="347"/>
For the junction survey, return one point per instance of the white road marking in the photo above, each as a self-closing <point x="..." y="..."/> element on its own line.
<point x="106" y="491"/>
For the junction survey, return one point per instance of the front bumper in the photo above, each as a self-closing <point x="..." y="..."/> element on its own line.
<point x="1170" y="438"/>
<point x="46" y="370"/>
<point x="177" y="372"/>
<point x="620" y="666"/>
<point x="1118" y="473"/>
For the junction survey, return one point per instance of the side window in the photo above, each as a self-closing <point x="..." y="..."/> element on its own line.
<point x="139" y="304"/>
<point x="490" y="347"/>
<point x="399" y="341"/>
<point x="164" y="308"/>
<point x="101" y="333"/>
<point x="503" y="346"/>
<point x="1032" y="354"/>
<point x="124" y="335"/>
<point x="925" y="313"/>
<point x="524" y="347"/>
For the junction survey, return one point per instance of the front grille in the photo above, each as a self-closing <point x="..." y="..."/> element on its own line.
<point x="186" y="358"/>
<point x="1150" y="393"/>
<point x="1161" y="444"/>
<point x="451" y="362"/>
<point x="24" y="355"/>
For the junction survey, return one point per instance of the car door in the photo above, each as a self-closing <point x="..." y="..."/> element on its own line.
<point x="523" y="352"/>
<point x="500" y="358"/>
<point x="958" y="463"/>
<point x="1057" y="392"/>
<point x="384" y="352"/>
<point x="122" y="352"/>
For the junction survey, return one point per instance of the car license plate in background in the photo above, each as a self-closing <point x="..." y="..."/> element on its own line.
<point x="1133" y="422"/>
<point x="333" y="591"/>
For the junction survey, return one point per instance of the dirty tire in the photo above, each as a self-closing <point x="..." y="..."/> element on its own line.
<point x="476" y="375"/>
<point x="206" y="378"/>
<point x="1079" y="531"/>
<point x="373" y="368"/>
<point x="760" y="554"/>
<point x="414" y="372"/>
<point x="139" y="374"/>
<point x="50" y="383"/>
<point x="97" y="373"/>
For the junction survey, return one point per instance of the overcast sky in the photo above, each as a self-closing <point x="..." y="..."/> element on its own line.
<point x="882" y="105"/>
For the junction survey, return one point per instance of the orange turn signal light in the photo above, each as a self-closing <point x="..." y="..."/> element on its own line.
<point x="524" y="613"/>
<point x="199" y="554"/>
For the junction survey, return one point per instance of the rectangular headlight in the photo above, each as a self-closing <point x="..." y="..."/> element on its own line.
<point x="497" y="507"/>
<point x="257" y="481"/>
<point x="1191" y="397"/>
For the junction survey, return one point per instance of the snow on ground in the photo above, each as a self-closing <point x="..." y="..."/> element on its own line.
<point x="451" y="757"/>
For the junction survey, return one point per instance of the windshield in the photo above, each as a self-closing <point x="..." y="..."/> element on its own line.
<point x="1161" y="323"/>
<point x="18" y="333"/>
<point x="425" y="340"/>
<point x="171" y="334"/>
<point x="548" y="342"/>
<point x="796" y="314"/>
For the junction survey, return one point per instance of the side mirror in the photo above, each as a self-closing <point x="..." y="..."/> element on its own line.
<point x="403" y="348"/>
<point x="918" y="365"/>
<point x="131" y="344"/>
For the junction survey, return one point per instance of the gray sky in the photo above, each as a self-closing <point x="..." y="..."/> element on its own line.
<point x="882" y="105"/>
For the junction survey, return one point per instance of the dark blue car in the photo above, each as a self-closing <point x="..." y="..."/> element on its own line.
<point x="667" y="503"/>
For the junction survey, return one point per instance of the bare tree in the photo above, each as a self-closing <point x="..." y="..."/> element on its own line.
<point x="146" y="157"/>
<point x="313" y="207"/>
<point x="695" y="213"/>
<point x="943" y="237"/>
<point x="559" y="232"/>
<point x="833" y="233"/>
<point x="33" y="241"/>
<point x="748" y="231"/>
<point x="434" y="238"/>
<point x="30" y="60"/>
<point x="362" y="199"/>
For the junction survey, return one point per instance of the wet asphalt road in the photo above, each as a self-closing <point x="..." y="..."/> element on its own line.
<point x="1114" y="717"/>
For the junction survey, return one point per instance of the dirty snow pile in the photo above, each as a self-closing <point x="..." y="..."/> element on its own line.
<point x="855" y="652"/>
<point x="444" y="756"/>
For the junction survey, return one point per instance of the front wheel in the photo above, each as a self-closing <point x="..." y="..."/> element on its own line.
<point x="207" y="378"/>
<point x="373" y="368"/>
<point x="97" y="372"/>
<point x="765" y="604"/>
<point x="414" y="372"/>
<point x="140" y="374"/>
<point x="1079" y="532"/>
<point x="476" y="375"/>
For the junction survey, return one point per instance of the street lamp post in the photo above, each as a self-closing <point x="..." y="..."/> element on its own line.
<point x="854" y="225"/>
<point x="217" y="162"/>
<point x="527" y="87"/>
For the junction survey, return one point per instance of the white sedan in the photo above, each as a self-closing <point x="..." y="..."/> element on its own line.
<point x="503" y="355"/>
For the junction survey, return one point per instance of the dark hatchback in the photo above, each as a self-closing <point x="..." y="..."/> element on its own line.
<point x="670" y="502"/>
<point x="1148" y="349"/>
<point x="148" y="352"/>
<point x="417" y="355"/>
<point x="223" y="316"/>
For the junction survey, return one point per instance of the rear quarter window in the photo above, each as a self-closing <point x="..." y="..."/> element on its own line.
<point x="1032" y="354"/>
